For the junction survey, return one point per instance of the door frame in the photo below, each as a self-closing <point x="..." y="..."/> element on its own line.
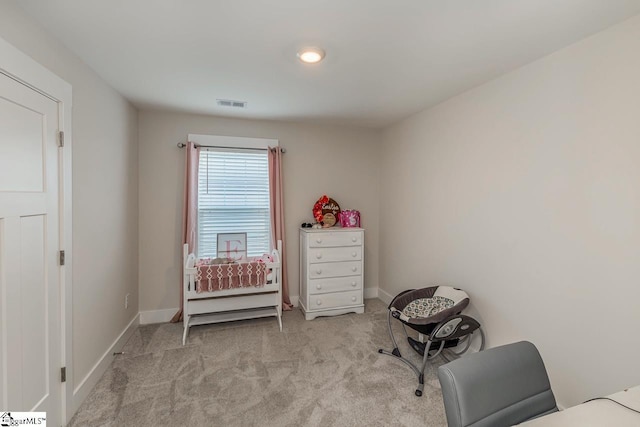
<point x="18" y="66"/>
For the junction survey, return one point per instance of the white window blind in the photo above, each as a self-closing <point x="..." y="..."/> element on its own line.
<point x="233" y="197"/>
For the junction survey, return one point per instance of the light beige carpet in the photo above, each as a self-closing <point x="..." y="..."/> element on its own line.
<point x="323" y="372"/>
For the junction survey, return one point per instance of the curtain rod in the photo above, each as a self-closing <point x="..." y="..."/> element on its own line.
<point x="182" y="145"/>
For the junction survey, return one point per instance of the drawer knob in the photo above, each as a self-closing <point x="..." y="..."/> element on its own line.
<point x="318" y="287"/>
<point x="353" y="299"/>
<point x="354" y="269"/>
<point x="353" y="284"/>
<point x="318" y="256"/>
<point x="354" y="254"/>
<point x="318" y="302"/>
<point x="353" y="239"/>
<point x="319" y="271"/>
<point x="318" y="240"/>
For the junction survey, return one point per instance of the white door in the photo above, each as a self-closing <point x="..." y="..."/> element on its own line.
<point x="30" y="347"/>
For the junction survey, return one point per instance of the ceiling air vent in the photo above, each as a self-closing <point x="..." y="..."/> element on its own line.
<point x="231" y="103"/>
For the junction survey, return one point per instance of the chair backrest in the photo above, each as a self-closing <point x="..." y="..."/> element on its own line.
<point x="501" y="386"/>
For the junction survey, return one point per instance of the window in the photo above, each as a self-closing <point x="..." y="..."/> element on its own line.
<point x="233" y="197"/>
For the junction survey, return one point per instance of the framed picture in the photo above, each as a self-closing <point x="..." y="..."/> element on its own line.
<point x="232" y="245"/>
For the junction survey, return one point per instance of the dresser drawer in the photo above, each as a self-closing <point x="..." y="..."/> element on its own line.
<point x="343" y="238"/>
<point x="337" y="284"/>
<point x="335" y="269"/>
<point x="347" y="253"/>
<point x="337" y="299"/>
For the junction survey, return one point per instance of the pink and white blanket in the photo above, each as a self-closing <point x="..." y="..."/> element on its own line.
<point x="216" y="277"/>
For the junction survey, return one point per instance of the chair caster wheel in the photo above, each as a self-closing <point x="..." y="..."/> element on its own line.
<point x="380" y="350"/>
<point x="418" y="393"/>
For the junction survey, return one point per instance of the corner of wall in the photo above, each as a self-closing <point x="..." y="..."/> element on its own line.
<point x="87" y="384"/>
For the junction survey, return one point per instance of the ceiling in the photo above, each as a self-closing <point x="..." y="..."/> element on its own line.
<point x="385" y="59"/>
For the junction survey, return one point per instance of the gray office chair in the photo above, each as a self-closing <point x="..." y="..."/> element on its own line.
<point x="501" y="386"/>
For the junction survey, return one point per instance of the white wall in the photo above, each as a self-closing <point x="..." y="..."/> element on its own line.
<point x="105" y="192"/>
<point x="526" y="193"/>
<point x="341" y="162"/>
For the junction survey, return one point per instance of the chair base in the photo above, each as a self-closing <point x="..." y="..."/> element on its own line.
<point x="396" y="353"/>
<point x="419" y="347"/>
<point x="445" y="335"/>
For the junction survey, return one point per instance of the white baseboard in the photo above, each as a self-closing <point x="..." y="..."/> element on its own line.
<point x="87" y="384"/>
<point x="370" y="293"/>
<point x="385" y="296"/>
<point x="157" y="316"/>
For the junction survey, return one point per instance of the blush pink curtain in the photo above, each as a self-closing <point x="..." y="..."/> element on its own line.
<point x="276" y="195"/>
<point x="189" y="210"/>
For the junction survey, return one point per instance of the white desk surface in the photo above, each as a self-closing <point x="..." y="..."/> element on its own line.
<point x="596" y="413"/>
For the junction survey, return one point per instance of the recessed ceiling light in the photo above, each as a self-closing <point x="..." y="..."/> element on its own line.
<point x="311" y="55"/>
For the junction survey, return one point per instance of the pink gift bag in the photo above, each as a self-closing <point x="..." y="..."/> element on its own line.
<point x="349" y="218"/>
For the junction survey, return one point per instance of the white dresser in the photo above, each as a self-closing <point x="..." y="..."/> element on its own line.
<point x="331" y="271"/>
